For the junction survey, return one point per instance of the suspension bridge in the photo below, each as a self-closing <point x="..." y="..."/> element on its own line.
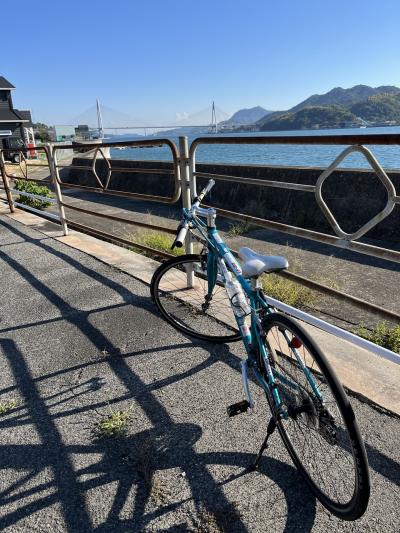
<point x="112" y="119"/>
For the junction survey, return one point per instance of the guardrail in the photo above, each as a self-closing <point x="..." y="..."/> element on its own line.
<point x="91" y="152"/>
<point x="354" y="143"/>
<point x="185" y="178"/>
<point x="342" y="239"/>
<point x="95" y="150"/>
<point x="24" y="165"/>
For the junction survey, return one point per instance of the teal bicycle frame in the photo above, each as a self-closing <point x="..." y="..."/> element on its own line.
<point x="253" y="339"/>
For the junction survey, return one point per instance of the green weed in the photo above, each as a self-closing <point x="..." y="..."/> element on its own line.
<point x="383" y="335"/>
<point x="7" y="406"/>
<point x="159" y="241"/>
<point x="288" y="291"/>
<point x="240" y="228"/>
<point x="114" y="425"/>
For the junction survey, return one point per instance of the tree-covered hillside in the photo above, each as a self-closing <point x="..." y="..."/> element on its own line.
<point x="379" y="108"/>
<point x="345" y="97"/>
<point x="311" y="117"/>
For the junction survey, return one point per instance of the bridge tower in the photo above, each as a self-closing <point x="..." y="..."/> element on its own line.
<point x="99" y="120"/>
<point x="214" y="124"/>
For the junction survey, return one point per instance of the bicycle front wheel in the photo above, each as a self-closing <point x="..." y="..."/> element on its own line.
<point x="179" y="288"/>
<point x="320" y="431"/>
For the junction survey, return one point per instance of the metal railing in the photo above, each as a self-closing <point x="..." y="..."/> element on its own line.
<point x="342" y="239"/>
<point x="354" y="143"/>
<point x="94" y="150"/>
<point x="24" y="165"/>
<point x="185" y="176"/>
<point x="91" y="153"/>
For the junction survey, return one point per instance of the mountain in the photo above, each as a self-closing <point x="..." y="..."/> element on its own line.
<point x="247" y="116"/>
<point x="345" y="97"/>
<point x="312" y="117"/>
<point x="339" y="108"/>
<point x="379" y="108"/>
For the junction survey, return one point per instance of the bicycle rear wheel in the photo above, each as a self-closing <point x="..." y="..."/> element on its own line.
<point x="321" y="436"/>
<point x="183" y="303"/>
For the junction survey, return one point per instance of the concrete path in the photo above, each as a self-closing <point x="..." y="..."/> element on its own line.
<point x="80" y="339"/>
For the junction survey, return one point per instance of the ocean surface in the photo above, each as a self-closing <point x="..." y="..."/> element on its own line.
<point x="278" y="154"/>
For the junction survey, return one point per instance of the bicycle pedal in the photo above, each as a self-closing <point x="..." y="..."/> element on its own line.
<point x="237" y="408"/>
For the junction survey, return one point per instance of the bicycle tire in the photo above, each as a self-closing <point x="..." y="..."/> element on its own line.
<point x="182" y="306"/>
<point x="350" y="444"/>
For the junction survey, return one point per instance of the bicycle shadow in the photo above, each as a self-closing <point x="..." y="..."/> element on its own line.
<point x="132" y="462"/>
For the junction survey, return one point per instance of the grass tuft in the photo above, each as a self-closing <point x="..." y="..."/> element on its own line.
<point x="115" y="425"/>
<point x="288" y="291"/>
<point x="157" y="240"/>
<point x="383" y="335"/>
<point x="240" y="228"/>
<point x="7" y="406"/>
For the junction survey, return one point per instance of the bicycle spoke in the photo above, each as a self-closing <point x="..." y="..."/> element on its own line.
<point x="190" y="307"/>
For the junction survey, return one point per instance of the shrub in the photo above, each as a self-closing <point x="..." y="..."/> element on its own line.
<point x="383" y="335"/>
<point x="33" y="188"/>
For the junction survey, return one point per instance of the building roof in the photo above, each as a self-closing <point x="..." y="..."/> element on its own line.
<point x="9" y="115"/>
<point x="4" y="84"/>
<point x="25" y="114"/>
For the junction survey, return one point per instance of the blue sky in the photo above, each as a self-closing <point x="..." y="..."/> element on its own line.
<point x="154" y="59"/>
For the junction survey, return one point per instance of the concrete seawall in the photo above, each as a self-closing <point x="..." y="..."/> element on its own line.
<point x="354" y="196"/>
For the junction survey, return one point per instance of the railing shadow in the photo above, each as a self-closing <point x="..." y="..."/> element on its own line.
<point x="69" y="491"/>
<point x="172" y="443"/>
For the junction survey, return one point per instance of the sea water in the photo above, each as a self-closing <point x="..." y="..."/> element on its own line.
<point x="273" y="154"/>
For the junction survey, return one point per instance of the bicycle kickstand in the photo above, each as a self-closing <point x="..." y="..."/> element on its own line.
<point x="270" y="429"/>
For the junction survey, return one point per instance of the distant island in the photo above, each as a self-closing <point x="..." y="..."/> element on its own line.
<point x="356" y="107"/>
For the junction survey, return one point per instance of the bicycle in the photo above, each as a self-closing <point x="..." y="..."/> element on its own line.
<point x="212" y="297"/>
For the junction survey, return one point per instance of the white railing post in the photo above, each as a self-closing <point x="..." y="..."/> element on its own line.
<point x="56" y="183"/>
<point x="186" y="198"/>
<point x="192" y="176"/>
<point x="6" y="183"/>
<point x="185" y="180"/>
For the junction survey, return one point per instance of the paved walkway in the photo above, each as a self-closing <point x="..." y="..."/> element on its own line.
<point x="81" y="338"/>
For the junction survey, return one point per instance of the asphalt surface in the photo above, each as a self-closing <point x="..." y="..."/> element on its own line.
<point x="80" y="340"/>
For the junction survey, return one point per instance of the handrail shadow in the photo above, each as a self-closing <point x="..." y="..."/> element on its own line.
<point x="165" y="432"/>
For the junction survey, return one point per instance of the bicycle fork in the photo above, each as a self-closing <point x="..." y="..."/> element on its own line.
<point x="245" y="383"/>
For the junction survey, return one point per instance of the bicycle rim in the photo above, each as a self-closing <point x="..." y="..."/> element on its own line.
<point x="322" y="437"/>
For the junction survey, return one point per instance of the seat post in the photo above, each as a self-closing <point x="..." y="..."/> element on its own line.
<point x="255" y="283"/>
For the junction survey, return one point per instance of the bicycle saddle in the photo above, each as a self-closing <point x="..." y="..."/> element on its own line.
<point x="255" y="264"/>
